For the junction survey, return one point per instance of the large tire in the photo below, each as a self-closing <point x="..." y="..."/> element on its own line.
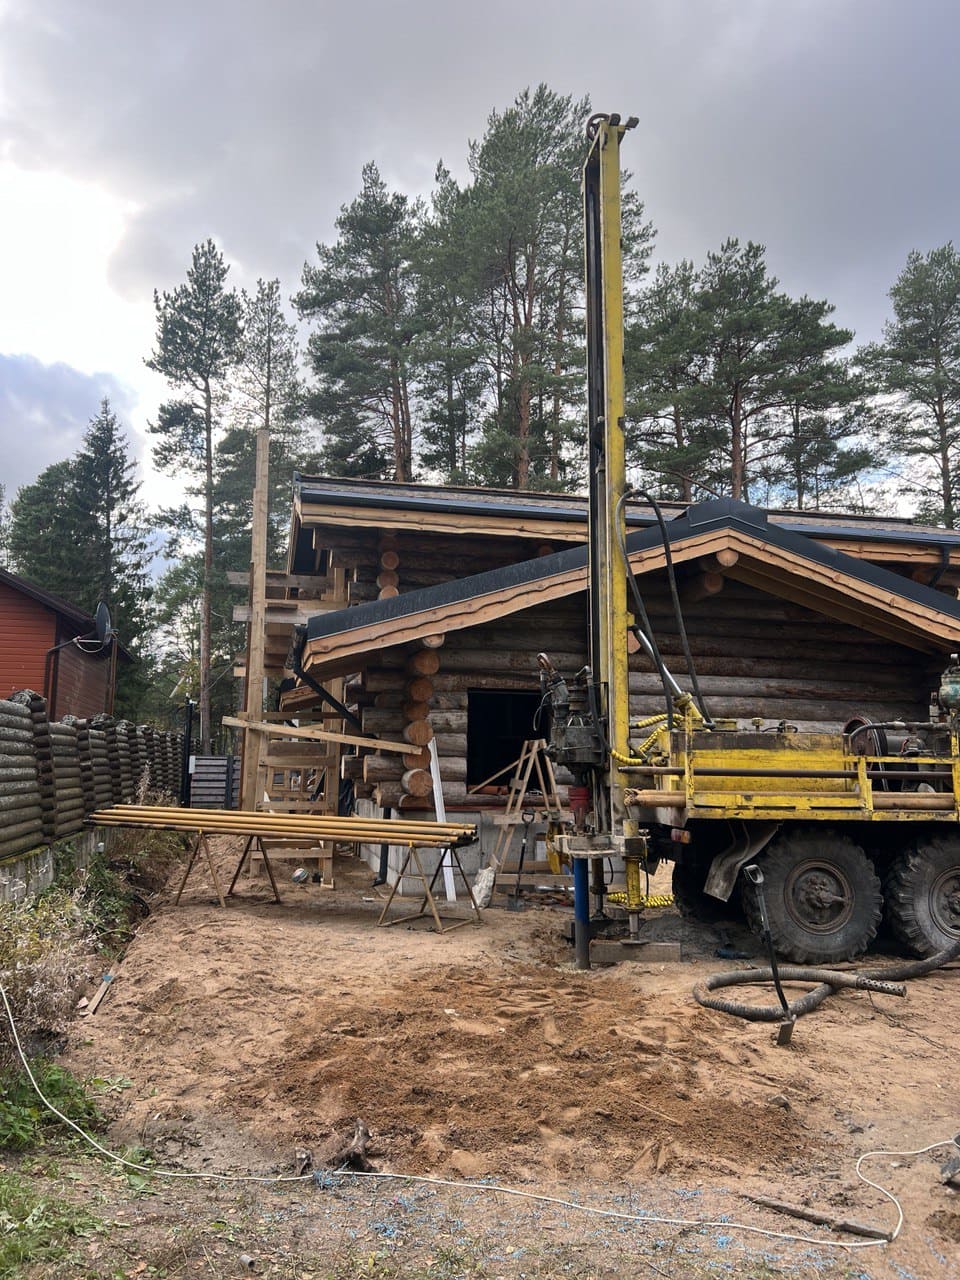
<point x="922" y="896"/>
<point x="689" y="877"/>
<point x="822" y="894"/>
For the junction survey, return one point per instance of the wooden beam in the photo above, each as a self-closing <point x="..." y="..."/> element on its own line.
<point x="320" y="735"/>
<point x="256" y="638"/>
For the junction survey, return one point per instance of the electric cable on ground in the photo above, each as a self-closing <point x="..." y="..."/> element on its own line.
<point x="639" y="1219"/>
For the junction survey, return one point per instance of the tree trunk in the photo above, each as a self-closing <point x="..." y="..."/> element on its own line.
<point x="203" y="699"/>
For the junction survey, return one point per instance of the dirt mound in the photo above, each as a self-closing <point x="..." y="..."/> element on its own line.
<point x="481" y="1053"/>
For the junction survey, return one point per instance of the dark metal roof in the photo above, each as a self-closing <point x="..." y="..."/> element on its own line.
<point x="716" y="514"/>
<point x="565" y="507"/>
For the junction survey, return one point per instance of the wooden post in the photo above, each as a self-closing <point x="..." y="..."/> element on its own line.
<point x="256" y="635"/>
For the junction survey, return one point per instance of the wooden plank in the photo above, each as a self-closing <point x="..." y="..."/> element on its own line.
<point x="256" y="640"/>
<point x="325" y="735"/>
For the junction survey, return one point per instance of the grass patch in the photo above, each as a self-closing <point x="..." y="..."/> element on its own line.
<point x="23" y="1117"/>
<point x="35" y="1228"/>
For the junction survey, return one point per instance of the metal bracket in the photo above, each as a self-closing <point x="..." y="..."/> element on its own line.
<point x="725" y="868"/>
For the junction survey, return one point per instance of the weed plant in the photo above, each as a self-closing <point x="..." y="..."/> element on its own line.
<point x="35" y="1228"/>
<point x="23" y="1116"/>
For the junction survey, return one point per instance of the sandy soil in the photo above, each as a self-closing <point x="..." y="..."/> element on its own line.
<point x="482" y="1054"/>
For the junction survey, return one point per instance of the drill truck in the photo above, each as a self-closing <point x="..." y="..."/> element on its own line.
<point x="844" y="825"/>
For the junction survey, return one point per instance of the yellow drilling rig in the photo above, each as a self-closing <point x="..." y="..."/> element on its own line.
<point x="837" y="822"/>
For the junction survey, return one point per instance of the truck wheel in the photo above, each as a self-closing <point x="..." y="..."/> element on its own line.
<point x="922" y="897"/>
<point x="689" y="877"/>
<point x="822" y="894"/>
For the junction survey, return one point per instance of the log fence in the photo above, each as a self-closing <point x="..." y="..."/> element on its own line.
<point x="53" y="774"/>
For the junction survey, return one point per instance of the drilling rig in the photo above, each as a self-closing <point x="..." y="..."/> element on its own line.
<point x="844" y="825"/>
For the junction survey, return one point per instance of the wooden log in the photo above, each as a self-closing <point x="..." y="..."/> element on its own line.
<point x="389" y="559"/>
<point x="382" y="720"/>
<point x="377" y="768"/>
<point x="393" y="698"/>
<point x="420" y="689"/>
<point x="458" y="683"/>
<point x="416" y="710"/>
<point x="451" y="744"/>
<point x="388" y="794"/>
<point x="361" y="592"/>
<point x="702" y="587"/>
<point x="417" y="759"/>
<point x="388" y="578"/>
<point x="388" y="593"/>
<point x="433" y="642"/>
<point x="423" y="662"/>
<point x="383" y="679"/>
<point x="449" y="720"/>
<point x="417" y="782"/>
<point x="352" y="767"/>
<point x="418" y="733"/>
<point x="453" y="769"/>
<point x="20" y="807"/>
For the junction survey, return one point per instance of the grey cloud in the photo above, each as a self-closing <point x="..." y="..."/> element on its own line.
<point x="825" y="130"/>
<point x="44" y="411"/>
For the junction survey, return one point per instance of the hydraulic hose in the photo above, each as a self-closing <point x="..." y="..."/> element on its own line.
<point x="644" y="628"/>
<point x="675" y="597"/>
<point x="830" y="980"/>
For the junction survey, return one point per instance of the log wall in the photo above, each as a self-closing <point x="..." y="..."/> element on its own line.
<point x="756" y="656"/>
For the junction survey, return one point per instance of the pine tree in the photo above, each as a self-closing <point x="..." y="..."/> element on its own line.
<point x="361" y="297"/>
<point x="738" y="385"/>
<point x="918" y="365"/>
<point x="198" y="336"/>
<point x="447" y="351"/>
<point x="526" y="244"/>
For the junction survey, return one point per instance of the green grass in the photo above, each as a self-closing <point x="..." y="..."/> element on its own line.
<point x="23" y="1117"/>
<point x="35" y="1229"/>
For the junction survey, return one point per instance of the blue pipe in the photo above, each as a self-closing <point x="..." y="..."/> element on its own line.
<point x="581" y="913"/>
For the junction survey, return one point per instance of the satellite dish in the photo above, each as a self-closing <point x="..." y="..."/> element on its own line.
<point x="102" y="620"/>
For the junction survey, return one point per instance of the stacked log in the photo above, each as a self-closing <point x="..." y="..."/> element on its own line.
<point x="21" y="808"/>
<point x="124" y="758"/>
<point x="388" y="564"/>
<point x="70" y="797"/>
<point x="138" y="758"/>
<point x="93" y="743"/>
<point x="36" y="704"/>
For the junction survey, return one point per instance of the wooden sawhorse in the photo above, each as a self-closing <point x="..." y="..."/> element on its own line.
<point x="202" y="843"/>
<point x="428" y="902"/>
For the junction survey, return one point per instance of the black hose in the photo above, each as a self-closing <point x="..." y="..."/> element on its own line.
<point x="829" y="980"/>
<point x="675" y="597"/>
<point x="642" y="616"/>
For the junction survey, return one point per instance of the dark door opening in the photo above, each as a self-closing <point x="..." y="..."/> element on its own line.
<point x="499" y="721"/>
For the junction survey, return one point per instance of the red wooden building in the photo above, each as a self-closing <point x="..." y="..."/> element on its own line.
<point x="49" y="645"/>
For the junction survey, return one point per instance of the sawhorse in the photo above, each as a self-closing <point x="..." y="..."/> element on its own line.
<point x="428" y="902"/>
<point x="201" y="842"/>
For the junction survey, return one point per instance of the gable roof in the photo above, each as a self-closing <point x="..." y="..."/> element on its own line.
<point x="771" y="557"/>
<point x="562" y="517"/>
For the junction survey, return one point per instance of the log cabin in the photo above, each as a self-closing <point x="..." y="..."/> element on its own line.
<point x="420" y="611"/>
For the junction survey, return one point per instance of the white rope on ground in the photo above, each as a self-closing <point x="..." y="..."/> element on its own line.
<point x="496" y="1188"/>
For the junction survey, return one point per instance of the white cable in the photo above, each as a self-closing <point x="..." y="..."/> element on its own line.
<point x="112" y="1155"/>
<point x="496" y="1188"/>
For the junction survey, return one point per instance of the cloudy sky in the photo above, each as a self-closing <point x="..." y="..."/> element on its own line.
<point x="131" y="130"/>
